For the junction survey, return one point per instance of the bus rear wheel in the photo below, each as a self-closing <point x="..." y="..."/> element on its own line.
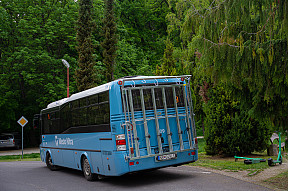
<point x="87" y="169"/>
<point x="49" y="163"/>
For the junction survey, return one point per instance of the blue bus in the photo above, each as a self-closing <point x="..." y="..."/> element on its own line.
<point x="128" y="125"/>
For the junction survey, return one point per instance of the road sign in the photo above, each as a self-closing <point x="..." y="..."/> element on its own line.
<point x="22" y="121"/>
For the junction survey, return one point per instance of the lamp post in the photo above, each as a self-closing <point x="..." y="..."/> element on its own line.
<point x="67" y="66"/>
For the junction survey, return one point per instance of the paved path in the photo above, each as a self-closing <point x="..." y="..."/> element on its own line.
<point x="4" y="152"/>
<point x="35" y="176"/>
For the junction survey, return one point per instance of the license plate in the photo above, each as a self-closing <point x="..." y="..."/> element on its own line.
<point x="166" y="157"/>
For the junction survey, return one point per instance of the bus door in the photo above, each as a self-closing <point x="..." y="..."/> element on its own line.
<point x="157" y="119"/>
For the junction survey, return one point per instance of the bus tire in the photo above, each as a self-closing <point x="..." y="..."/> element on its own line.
<point x="87" y="169"/>
<point x="49" y="162"/>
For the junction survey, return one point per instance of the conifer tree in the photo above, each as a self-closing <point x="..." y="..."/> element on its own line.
<point x="168" y="66"/>
<point x="85" y="74"/>
<point x="110" y="40"/>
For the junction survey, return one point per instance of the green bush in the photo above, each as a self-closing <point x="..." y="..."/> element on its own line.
<point x="229" y="129"/>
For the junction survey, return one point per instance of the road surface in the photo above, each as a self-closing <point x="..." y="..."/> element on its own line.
<point x="34" y="175"/>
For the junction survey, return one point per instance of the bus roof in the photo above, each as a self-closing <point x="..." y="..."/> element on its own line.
<point x="103" y="88"/>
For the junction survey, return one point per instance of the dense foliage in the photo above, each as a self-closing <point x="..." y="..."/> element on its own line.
<point x="36" y="35"/>
<point x="229" y="129"/>
<point x="239" y="45"/>
<point x="234" y="42"/>
<point x="110" y="40"/>
<point x="85" y="74"/>
<point x="168" y="67"/>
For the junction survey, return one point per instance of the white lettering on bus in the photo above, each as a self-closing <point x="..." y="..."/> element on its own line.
<point x="64" y="141"/>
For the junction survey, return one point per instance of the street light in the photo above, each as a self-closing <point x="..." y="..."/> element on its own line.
<point x="67" y="66"/>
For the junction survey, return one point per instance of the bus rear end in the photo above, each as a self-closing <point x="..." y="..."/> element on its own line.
<point x="159" y="122"/>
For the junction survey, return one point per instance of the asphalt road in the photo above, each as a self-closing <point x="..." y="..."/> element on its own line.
<point x="34" y="175"/>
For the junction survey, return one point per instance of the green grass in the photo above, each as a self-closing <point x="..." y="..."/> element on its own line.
<point x="201" y="145"/>
<point x="26" y="157"/>
<point x="280" y="181"/>
<point x="228" y="163"/>
<point x="199" y="132"/>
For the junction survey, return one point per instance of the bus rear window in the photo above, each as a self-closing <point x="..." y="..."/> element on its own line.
<point x="147" y="95"/>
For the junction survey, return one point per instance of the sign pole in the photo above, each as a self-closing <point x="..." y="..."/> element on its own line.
<point x="22" y="121"/>
<point x="22" y="143"/>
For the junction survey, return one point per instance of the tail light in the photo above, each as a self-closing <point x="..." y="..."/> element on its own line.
<point x="13" y="141"/>
<point x="121" y="142"/>
<point x="196" y="141"/>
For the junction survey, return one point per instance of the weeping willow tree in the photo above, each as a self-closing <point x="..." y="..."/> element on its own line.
<point x="243" y="44"/>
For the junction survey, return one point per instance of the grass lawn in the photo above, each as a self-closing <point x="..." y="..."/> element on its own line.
<point x="228" y="163"/>
<point x="26" y="157"/>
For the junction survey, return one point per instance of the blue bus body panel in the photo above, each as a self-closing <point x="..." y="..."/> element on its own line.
<point x="100" y="147"/>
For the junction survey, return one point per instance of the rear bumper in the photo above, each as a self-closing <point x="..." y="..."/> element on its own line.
<point x="149" y="163"/>
<point x="7" y="145"/>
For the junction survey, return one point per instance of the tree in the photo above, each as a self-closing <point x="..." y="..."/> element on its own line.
<point x="241" y="43"/>
<point x="244" y="43"/>
<point x="85" y="75"/>
<point x="34" y="36"/>
<point x="168" y="67"/>
<point x="110" y="40"/>
<point x="229" y="128"/>
<point x="142" y="23"/>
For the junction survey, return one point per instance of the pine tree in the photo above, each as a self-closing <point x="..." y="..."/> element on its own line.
<point x="168" y="66"/>
<point x="85" y="74"/>
<point x="110" y="40"/>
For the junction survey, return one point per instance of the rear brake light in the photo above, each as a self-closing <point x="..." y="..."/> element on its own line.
<point x="13" y="141"/>
<point x="120" y="142"/>
<point x="196" y="141"/>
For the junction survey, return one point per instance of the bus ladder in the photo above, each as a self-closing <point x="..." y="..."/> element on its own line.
<point x="130" y="121"/>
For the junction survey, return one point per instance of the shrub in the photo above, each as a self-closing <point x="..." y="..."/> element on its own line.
<point x="229" y="129"/>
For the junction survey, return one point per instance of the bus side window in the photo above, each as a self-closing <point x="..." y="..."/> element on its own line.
<point x="104" y="115"/>
<point x="93" y="100"/>
<point x="64" y="115"/>
<point x="46" y="129"/>
<point x="92" y="113"/>
<point x="103" y="97"/>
